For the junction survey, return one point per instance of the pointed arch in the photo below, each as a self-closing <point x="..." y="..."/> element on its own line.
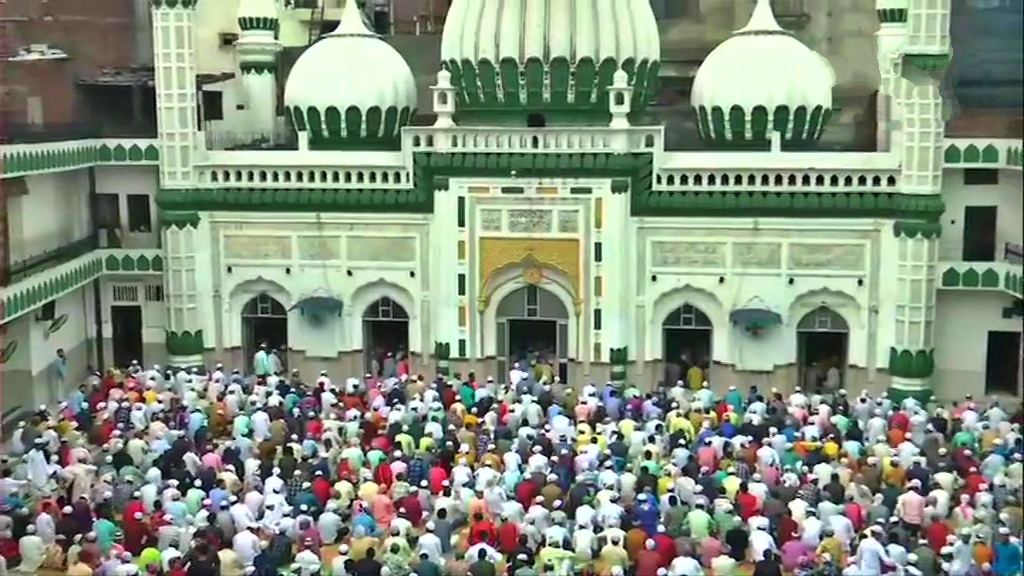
<point x="245" y="290"/>
<point x="366" y="295"/>
<point x="843" y="304"/>
<point x="693" y="307"/>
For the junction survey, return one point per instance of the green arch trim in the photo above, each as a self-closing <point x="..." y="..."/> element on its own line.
<point x="352" y="129"/>
<point x="749" y="129"/>
<point x="507" y="92"/>
<point x="265" y="23"/>
<point x="187" y="4"/>
<point x="258" y="68"/>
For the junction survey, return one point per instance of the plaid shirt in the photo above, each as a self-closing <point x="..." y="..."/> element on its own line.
<point x="293" y="488"/>
<point x="417" y="472"/>
<point x="742" y="471"/>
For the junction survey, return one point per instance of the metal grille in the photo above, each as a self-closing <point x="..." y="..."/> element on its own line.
<point x="687" y="316"/>
<point x="126" y="294"/>
<point x="154" y="293"/>
<point x="822" y="319"/>
<point x="385" y="309"/>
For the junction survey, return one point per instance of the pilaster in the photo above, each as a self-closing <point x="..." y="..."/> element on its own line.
<point x="257" y="49"/>
<point x="185" y="335"/>
<point x="174" y="66"/>
<point x="891" y="38"/>
<point x="912" y="356"/>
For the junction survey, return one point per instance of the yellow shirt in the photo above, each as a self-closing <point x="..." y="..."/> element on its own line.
<point x="695" y="378"/>
<point x="626" y="428"/>
<point x="731" y="485"/>
<point x="665" y="485"/>
<point x="831" y="450"/>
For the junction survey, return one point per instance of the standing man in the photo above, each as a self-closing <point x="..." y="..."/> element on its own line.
<point x="262" y="364"/>
<point x="58" y="376"/>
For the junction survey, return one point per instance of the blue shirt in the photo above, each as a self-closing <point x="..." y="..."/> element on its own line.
<point x="1007" y="561"/>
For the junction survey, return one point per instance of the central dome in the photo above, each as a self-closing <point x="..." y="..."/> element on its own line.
<point x="513" y="59"/>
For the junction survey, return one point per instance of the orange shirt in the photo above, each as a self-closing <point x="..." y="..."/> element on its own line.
<point x="983" y="554"/>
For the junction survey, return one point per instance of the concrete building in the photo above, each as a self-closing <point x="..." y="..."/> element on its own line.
<point x="549" y="203"/>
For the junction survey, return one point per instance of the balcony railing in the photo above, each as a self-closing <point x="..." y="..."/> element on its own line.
<point x="18" y="271"/>
<point x="23" y="133"/>
<point x="1013" y="253"/>
<point x="280" y="139"/>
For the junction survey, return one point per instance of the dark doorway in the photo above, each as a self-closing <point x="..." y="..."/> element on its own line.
<point x="532" y="325"/>
<point x="686" y="343"/>
<point x="536" y="120"/>
<point x="822" y="349"/>
<point x="264" y="321"/>
<point x="979" y="234"/>
<point x="126" y="334"/>
<point x="385" y="331"/>
<point x="1002" y="363"/>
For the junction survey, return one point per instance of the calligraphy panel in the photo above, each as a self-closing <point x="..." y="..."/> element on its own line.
<point x="380" y="249"/>
<point x="687" y="255"/>
<point x="253" y="247"/>
<point x="530" y="221"/>
<point x="827" y="257"/>
<point x="319" y="248"/>
<point x="756" y="256"/>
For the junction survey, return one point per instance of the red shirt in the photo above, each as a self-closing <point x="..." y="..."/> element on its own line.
<point x="314" y="428"/>
<point x="508" y="538"/>
<point x="413" y="509"/>
<point x="787" y="530"/>
<point x="972" y="483"/>
<point x="900" y="421"/>
<point x="647" y="563"/>
<point x="936" y="534"/>
<point x="526" y="492"/>
<point x="665" y="546"/>
<point x="747" y="504"/>
<point x="483" y="531"/>
<point x="321" y="490"/>
<point x="437" y="477"/>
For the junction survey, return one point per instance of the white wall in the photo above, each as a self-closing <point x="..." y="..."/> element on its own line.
<point x="213" y="19"/>
<point x="55" y="212"/>
<point x="963" y="320"/>
<point x="125" y="180"/>
<point x="1006" y="195"/>
<point x="78" y="330"/>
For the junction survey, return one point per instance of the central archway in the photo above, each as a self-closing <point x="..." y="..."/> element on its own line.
<point x="533" y="325"/>
<point x="686" y="344"/>
<point x="822" y="344"/>
<point x="385" y="337"/>
<point x="265" y="322"/>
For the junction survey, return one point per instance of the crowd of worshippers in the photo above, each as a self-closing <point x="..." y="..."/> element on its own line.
<point x="211" y="473"/>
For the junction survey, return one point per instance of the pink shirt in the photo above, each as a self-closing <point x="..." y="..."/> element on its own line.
<point x="212" y="460"/>
<point x="707" y="457"/>
<point x="792" y="551"/>
<point x="910" y="507"/>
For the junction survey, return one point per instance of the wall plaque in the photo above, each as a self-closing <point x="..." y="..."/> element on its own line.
<point x="568" y="221"/>
<point x="319" y="248"/>
<point x="530" y="221"/>
<point x="255" y="247"/>
<point x="827" y="257"/>
<point x="490" y="220"/>
<point x="380" y="249"/>
<point x="756" y="256"/>
<point x="687" y="255"/>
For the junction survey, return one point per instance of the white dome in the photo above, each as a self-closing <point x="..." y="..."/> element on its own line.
<point x="350" y="86"/>
<point x="500" y="52"/>
<point x="768" y="74"/>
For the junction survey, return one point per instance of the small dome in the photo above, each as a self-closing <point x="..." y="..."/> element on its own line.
<point x="510" y="59"/>
<point x="762" y="80"/>
<point x="350" y="88"/>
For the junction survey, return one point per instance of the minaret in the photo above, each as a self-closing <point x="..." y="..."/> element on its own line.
<point x="891" y="38"/>
<point x="925" y="55"/>
<point x="174" y="64"/>
<point x="174" y="69"/>
<point x="257" y="50"/>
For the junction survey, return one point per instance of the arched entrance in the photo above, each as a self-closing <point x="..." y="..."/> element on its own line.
<point x="686" y="342"/>
<point x="265" y="321"/>
<point x="533" y="325"/>
<point x="822" y="340"/>
<point x="385" y="331"/>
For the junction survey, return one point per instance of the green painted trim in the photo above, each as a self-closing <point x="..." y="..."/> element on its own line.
<point x="897" y="395"/>
<point x="789" y="205"/>
<point x="258" y="68"/>
<point x="8" y="352"/>
<point x="929" y="62"/>
<point x="184" y="344"/>
<point x="892" y="15"/>
<point x="618" y="358"/>
<point x="134" y="264"/>
<point x="737" y="127"/>
<point x="188" y="202"/>
<point x="71" y="156"/>
<point x="170" y="4"/>
<point x="620" y="185"/>
<point x="915" y="228"/>
<point x="353" y="129"/>
<point x="177" y="219"/>
<point x="264" y="23"/>
<point x="971" y="154"/>
<point x="1014" y="157"/>
<point x="905" y="363"/>
<point x="983" y="278"/>
<point x="34" y="292"/>
<point x="565" y="93"/>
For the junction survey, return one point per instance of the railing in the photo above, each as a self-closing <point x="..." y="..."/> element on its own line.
<point x="1013" y="253"/>
<point x="18" y="271"/>
<point x="276" y="140"/>
<point x="24" y="133"/>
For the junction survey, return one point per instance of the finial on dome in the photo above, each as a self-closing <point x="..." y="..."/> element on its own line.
<point x="351" y="23"/>
<point x="762" y="20"/>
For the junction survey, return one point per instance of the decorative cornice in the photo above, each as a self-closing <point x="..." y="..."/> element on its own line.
<point x="263" y="23"/>
<point x="929" y="62"/>
<point x="915" y="228"/>
<point x="892" y="15"/>
<point x="181" y="207"/>
<point x="258" y="68"/>
<point x="170" y="4"/>
<point x="789" y="205"/>
<point x="917" y="364"/>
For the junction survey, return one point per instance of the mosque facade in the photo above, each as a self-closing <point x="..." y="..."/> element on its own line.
<point x="538" y="213"/>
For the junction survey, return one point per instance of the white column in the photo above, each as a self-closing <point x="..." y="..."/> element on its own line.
<point x="174" y="66"/>
<point x="257" y="50"/>
<point x="926" y="53"/>
<point x="891" y="37"/>
<point x="618" y="300"/>
<point x="185" y="335"/>
<point x="445" y="267"/>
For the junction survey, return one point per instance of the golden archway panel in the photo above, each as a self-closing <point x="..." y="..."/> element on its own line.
<point x="533" y="256"/>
